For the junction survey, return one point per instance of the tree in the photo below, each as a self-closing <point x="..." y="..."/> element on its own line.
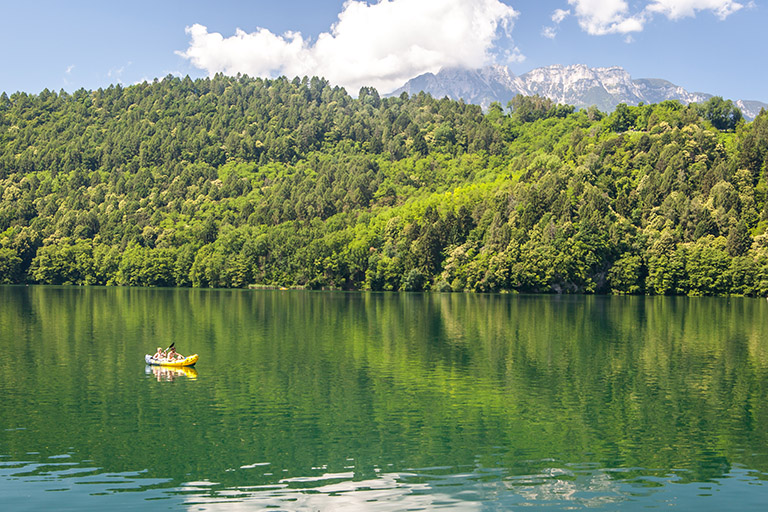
<point x="527" y="109"/>
<point x="621" y="119"/>
<point x="369" y="96"/>
<point x="10" y="266"/>
<point x="627" y="275"/>
<point x="414" y="281"/>
<point x="723" y="114"/>
<point x="739" y="241"/>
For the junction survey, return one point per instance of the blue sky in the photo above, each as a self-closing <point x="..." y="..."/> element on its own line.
<point x="714" y="46"/>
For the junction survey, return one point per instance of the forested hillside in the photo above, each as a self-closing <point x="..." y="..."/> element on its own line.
<point x="236" y="182"/>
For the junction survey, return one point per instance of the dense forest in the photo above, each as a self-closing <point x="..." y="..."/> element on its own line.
<point x="237" y="182"/>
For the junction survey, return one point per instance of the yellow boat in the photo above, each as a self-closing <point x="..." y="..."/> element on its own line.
<point x="187" y="361"/>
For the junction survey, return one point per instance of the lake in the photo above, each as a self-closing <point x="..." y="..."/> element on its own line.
<point x="363" y="401"/>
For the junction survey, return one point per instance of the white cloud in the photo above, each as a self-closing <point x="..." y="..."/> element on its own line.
<point x="69" y="69"/>
<point x="549" y="32"/>
<point x="600" y="17"/>
<point x="676" y="9"/>
<point x="559" y="15"/>
<point x="514" y="56"/>
<point x="381" y="45"/>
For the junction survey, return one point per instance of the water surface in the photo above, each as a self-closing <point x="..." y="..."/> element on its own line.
<point x="355" y="401"/>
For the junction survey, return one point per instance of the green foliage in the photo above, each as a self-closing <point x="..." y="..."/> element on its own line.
<point x="723" y="114"/>
<point x="626" y="275"/>
<point x="10" y="266"/>
<point x="622" y="118"/>
<point x="527" y="109"/>
<point x="237" y="182"/>
<point x="414" y="281"/>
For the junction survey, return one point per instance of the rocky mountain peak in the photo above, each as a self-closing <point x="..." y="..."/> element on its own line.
<point x="575" y="84"/>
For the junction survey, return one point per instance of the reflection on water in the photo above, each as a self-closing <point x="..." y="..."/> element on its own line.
<point x="341" y="401"/>
<point x="481" y="490"/>
<point x="32" y="486"/>
<point x="169" y="373"/>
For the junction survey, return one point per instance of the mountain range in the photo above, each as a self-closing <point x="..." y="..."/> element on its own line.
<point x="577" y="85"/>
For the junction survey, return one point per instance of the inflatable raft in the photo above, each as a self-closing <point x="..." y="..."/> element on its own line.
<point x="187" y="361"/>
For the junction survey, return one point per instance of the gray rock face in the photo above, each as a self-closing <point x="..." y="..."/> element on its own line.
<point x="479" y="86"/>
<point x="577" y="85"/>
<point x="750" y="108"/>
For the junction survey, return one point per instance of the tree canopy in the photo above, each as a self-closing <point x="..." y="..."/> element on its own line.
<point x="237" y="181"/>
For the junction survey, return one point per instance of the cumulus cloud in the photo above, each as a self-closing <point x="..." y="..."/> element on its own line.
<point x="381" y="45"/>
<point x="600" y="17"/>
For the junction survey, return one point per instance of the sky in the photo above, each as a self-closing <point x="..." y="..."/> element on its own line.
<point x="713" y="46"/>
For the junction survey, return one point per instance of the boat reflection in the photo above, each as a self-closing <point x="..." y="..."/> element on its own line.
<point x="169" y="374"/>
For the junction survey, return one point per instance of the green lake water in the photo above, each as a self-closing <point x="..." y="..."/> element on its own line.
<point x="364" y="401"/>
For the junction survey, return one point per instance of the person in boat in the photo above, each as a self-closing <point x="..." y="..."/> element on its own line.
<point x="173" y="355"/>
<point x="159" y="354"/>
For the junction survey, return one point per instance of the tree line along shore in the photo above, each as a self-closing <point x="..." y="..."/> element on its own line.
<point x="245" y="182"/>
